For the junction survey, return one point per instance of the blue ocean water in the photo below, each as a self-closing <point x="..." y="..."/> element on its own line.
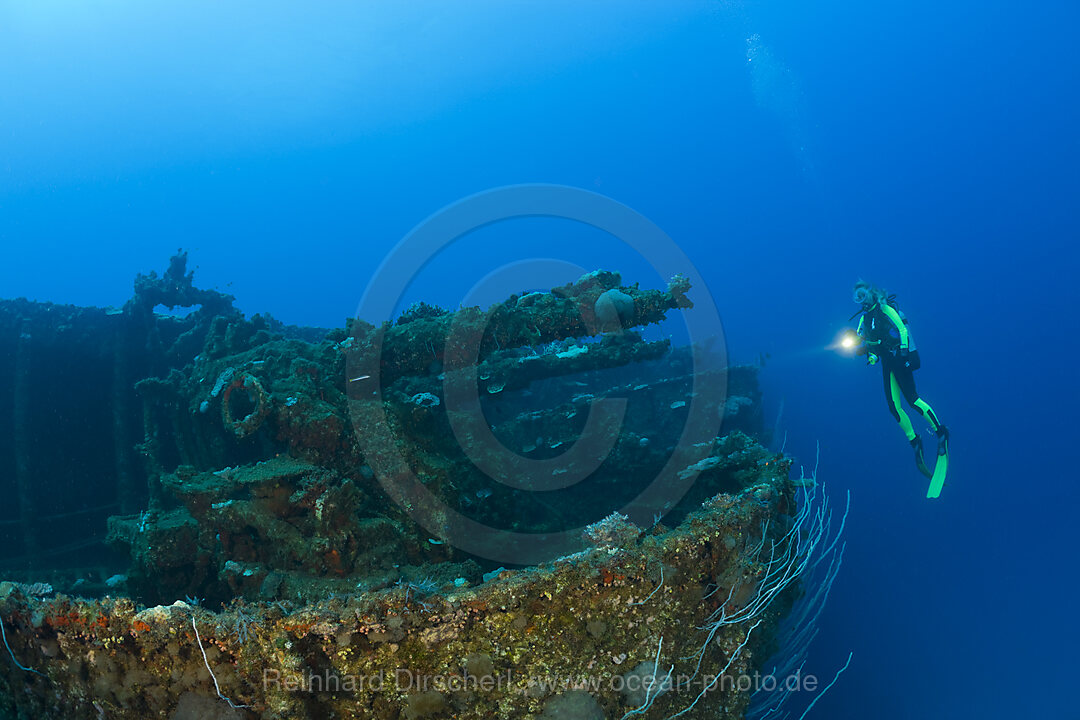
<point x="788" y="148"/>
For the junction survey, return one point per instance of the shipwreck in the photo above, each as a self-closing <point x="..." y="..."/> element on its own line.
<point x="534" y="510"/>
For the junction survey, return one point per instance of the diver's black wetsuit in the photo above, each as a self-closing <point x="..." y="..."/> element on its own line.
<point x="887" y="339"/>
<point x="884" y="331"/>
<point x="903" y="369"/>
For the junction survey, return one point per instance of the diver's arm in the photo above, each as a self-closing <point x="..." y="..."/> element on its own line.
<point x="866" y="344"/>
<point x="894" y="318"/>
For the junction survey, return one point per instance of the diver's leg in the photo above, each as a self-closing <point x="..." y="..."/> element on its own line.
<point x="940" y="430"/>
<point x="927" y="412"/>
<point x="906" y="380"/>
<point x="895" y="394"/>
<point x="941" y="464"/>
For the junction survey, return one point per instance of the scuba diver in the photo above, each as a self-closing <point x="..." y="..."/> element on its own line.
<point x="885" y="338"/>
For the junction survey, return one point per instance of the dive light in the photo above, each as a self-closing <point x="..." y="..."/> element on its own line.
<point x="847" y="342"/>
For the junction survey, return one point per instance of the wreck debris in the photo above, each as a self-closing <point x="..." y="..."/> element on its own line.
<point x="592" y="617"/>
<point x="22" y="399"/>
<point x="258" y="403"/>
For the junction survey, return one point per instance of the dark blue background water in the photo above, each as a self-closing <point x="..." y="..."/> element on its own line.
<point x="788" y="147"/>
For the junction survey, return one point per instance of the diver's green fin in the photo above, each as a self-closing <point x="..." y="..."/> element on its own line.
<point x="941" y="467"/>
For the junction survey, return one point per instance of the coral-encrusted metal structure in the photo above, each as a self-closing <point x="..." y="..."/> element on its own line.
<point x="264" y="572"/>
